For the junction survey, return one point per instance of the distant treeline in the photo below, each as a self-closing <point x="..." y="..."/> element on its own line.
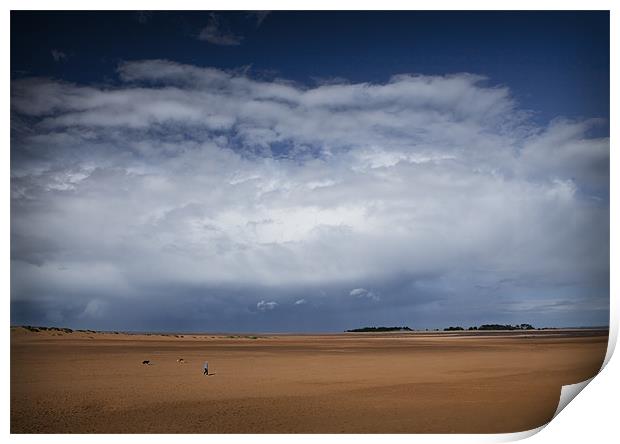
<point x="376" y="329"/>
<point x="60" y="329"/>
<point x="494" y="327"/>
<point x="35" y="329"/>
<point x="451" y="328"/>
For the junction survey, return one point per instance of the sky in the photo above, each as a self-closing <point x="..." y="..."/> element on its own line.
<point x="309" y="171"/>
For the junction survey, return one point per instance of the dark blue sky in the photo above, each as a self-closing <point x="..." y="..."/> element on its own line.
<point x="309" y="171"/>
<point x="556" y="63"/>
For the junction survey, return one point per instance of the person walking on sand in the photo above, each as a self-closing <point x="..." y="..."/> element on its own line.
<point x="206" y="368"/>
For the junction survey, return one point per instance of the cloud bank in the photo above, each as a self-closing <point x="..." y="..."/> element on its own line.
<point x="187" y="197"/>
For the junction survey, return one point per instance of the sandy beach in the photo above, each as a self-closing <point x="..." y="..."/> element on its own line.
<point x="84" y="382"/>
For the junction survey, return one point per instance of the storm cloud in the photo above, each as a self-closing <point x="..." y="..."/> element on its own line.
<point x="191" y="198"/>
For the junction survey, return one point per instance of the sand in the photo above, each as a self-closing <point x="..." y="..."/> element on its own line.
<point x="352" y="383"/>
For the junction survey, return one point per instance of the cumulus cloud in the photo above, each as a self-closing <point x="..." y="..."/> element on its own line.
<point x="265" y="306"/>
<point x="301" y="302"/>
<point x="362" y="293"/>
<point x="199" y="185"/>
<point x="217" y="32"/>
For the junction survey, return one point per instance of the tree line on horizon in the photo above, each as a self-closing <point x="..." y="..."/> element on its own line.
<point x="494" y="327"/>
<point x="451" y="328"/>
<point x="377" y="329"/>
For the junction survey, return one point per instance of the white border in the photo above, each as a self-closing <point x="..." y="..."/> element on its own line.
<point x="273" y="5"/>
<point x="589" y="419"/>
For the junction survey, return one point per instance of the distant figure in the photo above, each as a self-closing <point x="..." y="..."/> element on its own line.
<point x="206" y="368"/>
<point x="180" y="361"/>
<point x="146" y="362"/>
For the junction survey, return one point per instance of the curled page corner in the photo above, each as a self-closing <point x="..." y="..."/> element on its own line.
<point x="569" y="392"/>
<point x="518" y="436"/>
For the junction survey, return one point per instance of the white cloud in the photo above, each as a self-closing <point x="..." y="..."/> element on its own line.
<point x="301" y="302"/>
<point x="362" y="293"/>
<point x="266" y="306"/>
<point x="198" y="177"/>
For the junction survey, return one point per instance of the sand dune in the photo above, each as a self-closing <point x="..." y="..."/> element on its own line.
<point x="84" y="382"/>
